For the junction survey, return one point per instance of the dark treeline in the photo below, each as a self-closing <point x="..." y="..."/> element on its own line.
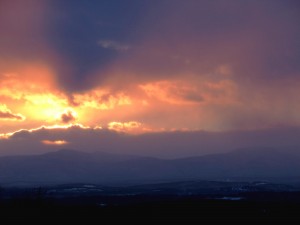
<point x="152" y="209"/>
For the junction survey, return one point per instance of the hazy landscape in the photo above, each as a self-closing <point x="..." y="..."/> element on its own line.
<point x="70" y="166"/>
<point x="263" y="183"/>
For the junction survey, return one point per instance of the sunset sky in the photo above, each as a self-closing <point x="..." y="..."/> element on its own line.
<point x="103" y="70"/>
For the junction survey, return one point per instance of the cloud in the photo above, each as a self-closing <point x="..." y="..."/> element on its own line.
<point x="6" y="114"/>
<point x="101" y="98"/>
<point x="68" y="116"/>
<point x="131" y="126"/>
<point x="190" y="91"/>
<point x="159" y="144"/>
<point x="173" y="92"/>
<point x="55" y="142"/>
<point x="114" y="45"/>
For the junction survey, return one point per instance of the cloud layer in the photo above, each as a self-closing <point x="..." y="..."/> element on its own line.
<point x="6" y="114"/>
<point x="158" y="144"/>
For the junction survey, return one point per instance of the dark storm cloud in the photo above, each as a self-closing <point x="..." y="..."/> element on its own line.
<point x="165" y="144"/>
<point x="76" y="28"/>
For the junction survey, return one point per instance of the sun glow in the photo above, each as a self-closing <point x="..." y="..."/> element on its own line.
<point x="32" y="98"/>
<point x="55" y="142"/>
<point x="45" y="106"/>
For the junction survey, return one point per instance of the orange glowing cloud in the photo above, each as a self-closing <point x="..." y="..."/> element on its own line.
<point x="28" y="76"/>
<point x="31" y="90"/>
<point x="173" y="92"/>
<point x="17" y="82"/>
<point x="131" y="126"/>
<point x="101" y="99"/>
<point x="55" y="142"/>
<point x="6" y="114"/>
<point x="193" y="92"/>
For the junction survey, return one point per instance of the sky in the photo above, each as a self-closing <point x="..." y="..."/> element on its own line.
<point x="115" y="73"/>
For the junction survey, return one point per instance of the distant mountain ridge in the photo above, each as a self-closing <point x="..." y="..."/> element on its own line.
<point x="67" y="166"/>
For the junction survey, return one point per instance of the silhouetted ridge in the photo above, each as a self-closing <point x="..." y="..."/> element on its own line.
<point x="67" y="166"/>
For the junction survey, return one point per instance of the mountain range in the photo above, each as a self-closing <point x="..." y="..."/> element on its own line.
<point x="71" y="166"/>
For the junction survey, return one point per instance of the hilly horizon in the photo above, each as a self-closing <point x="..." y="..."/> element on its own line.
<point x="72" y="166"/>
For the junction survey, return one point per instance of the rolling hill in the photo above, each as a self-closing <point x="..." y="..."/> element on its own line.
<point x="70" y="166"/>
